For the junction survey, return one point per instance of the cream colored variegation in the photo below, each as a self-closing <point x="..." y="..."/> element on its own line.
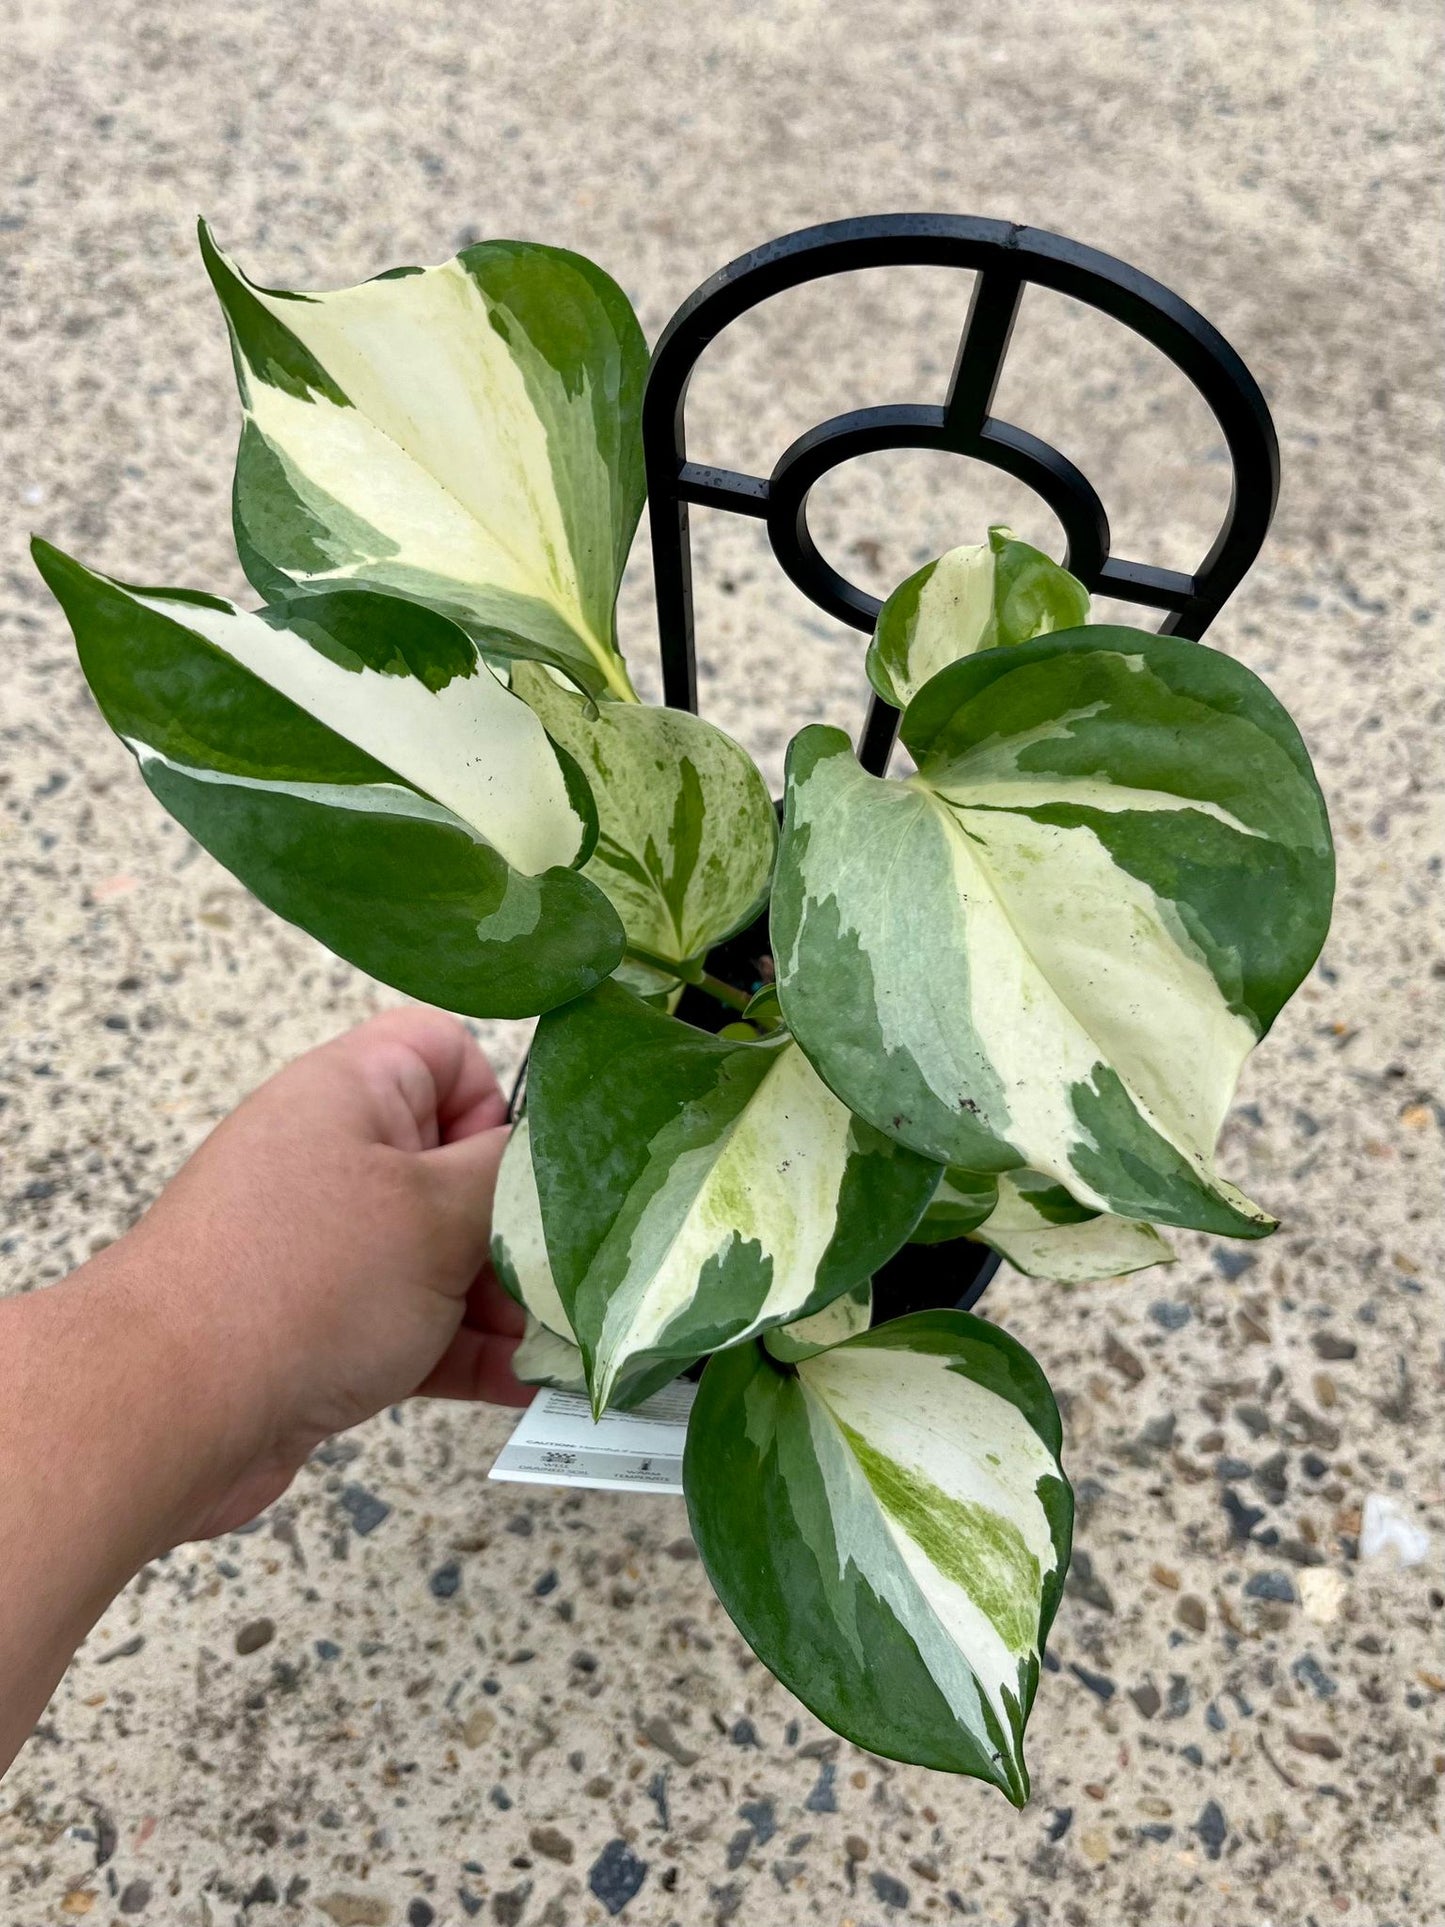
<point x="1072" y="1254"/>
<point x="519" y="1245"/>
<point x="985" y="595"/>
<point x="843" y="1319"/>
<point x="773" y="1180"/>
<point x="471" y="745"/>
<point x="546" y="1358"/>
<point x="416" y="442"/>
<point x="686" y="828"/>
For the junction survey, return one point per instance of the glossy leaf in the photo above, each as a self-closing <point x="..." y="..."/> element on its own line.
<point x="686" y="827"/>
<point x="960" y="1204"/>
<point x="888" y="1526"/>
<point x="359" y="768"/>
<point x="696" y="1191"/>
<point x="466" y="435"/>
<point x="982" y="597"/>
<point x="1056" y="944"/>
<point x="844" y="1318"/>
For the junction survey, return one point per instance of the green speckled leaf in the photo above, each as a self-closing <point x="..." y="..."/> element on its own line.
<point x="888" y="1525"/>
<point x="686" y="828"/>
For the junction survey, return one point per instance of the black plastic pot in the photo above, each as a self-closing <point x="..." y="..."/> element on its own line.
<point x="917" y="1278"/>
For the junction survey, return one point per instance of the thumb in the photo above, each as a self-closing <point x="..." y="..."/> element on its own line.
<point x="462" y="1180"/>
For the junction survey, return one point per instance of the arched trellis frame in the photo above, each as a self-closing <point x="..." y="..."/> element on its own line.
<point x="1007" y="259"/>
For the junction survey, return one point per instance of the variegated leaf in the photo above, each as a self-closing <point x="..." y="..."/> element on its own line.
<point x="358" y="767"/>
<point x="982" y="597"/>
<point x="686" y="827"/>
<point x="549" y="1354"/>
<point x="466" y="435"/>
<point x="1045" y="1233"/>
<point x="695" y="1190"/>
<point x="844" y="1318"/>
<point x="544" y="1357"/>
<point x="960" y="1204"/>
<point x="888" y="1526"/>
<point x="1056" y="944"/>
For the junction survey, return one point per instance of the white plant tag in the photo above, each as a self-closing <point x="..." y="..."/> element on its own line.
<point x="557" y="1443"/>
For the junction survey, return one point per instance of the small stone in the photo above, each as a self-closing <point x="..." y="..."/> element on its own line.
<point x="1254" y="1419"/>
<point x="546" y="1584"/>
<point x="659" y="1732"/>
<point x="1230" y="1469"/>
<point x="254" y="1635"/>
<point x="264" y="1893"/>
<point x="126" y="1650"/>
<point x="1165" y="1576"/>
<point x="1146" y="1698"/>
<point x="364" y="1510"/>
<point x="1059" y="1821"/>
<point x="1308" y="1671"/>
<point x="1127" y="1364"/>
<point x="1242" y="1518"/>
<point x="1170" y="1314"/>
<point x="1084" y="1583"/>
<point x="1322" y="1594"/>
<point x="739" y="1847"/>
<point x="471" y="1903"/>
<point x="616" y="1875"/>
<point x="1097" y="1683"/>
<point x="1271" y="1585"/>
<point x="823" y="1799"/>
<point x="553" y="1843"/>
<point x="1331" y="1345"/>
<point x="890" y="1892"/>
<point x="479" y="1725"/>
<point x="744" y="1733"/>
<point x="355" y="1910"/>
<point x="446" y="1581"/>
<point x="762" y="1817"/>
<point x="1213" y="1718"/>
<point x="1158" y="1434"/>
<point x="1156" y="1830"/>
<point x="135" y="1896"/>
<point x="509" y="1905"/>
<point x="1094" y="1845"/>
<point x="327" y="1649"/>
<point x="500" y="1799"/>
<point x="681" y="1550"/>
<point x="420" y="1913"/>
<point x="1191" y="1612"/>
<point x="1230" y="1263"/>
<point x="856" y="1847"/>
<point x="1212" y="1828"/>
<point x="1313" y="1466"/>
<point x="1319" y="1744"/>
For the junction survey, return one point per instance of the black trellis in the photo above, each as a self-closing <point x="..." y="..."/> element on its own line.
<point x="1007" y="259"/>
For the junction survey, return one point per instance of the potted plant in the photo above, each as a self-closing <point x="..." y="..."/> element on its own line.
<point x="1003" y="998"/>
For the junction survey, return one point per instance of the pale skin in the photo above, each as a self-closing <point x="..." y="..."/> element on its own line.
<point x="322" y="1256"/>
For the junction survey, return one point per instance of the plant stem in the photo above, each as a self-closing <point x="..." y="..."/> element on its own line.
<point x="691" y="973"/>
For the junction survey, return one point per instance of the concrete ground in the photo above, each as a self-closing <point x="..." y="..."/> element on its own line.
<point x="408" y="1696"/>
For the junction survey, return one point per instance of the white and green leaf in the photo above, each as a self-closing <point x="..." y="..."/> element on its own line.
<point x="984" y="596"/>
<point x="960" y="1204"/>
<point x="360" y="768"/>
<point x="888" y="1525"/>
<point x="844" y="1318"/>
<point x="466" y="435"/>
<point x="697" y="1190"/>
<point x="686" y="827"/>
<point x="544" y="1357"/>
<point x="1055" y="945"/>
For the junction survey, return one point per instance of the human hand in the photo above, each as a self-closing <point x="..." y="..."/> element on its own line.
<point x="325" y="1253"/>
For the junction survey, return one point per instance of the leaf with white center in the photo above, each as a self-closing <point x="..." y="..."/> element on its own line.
<point x="888" y="1526"/>
<point x="982" y="597"/>
<point x="686" y="827"/>
<point x="1056" y="944"/>
<point x="466" y="435"/>
<point x="359" y="768"/>
<point x="844" y="1318"/>
<point x="697" y="1190"/>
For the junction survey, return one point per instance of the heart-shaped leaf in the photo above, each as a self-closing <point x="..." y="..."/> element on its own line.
<point x="696" y="1190"/>
<point x="466" y="435"/>
<point x="361" y="769"/>
<point x="686" y="828"/>
<point x="1039" y="1228"/>
<point x="1056" y="944"/>
<point x="888" y="1525"/>
<point x="981" y="597"/>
